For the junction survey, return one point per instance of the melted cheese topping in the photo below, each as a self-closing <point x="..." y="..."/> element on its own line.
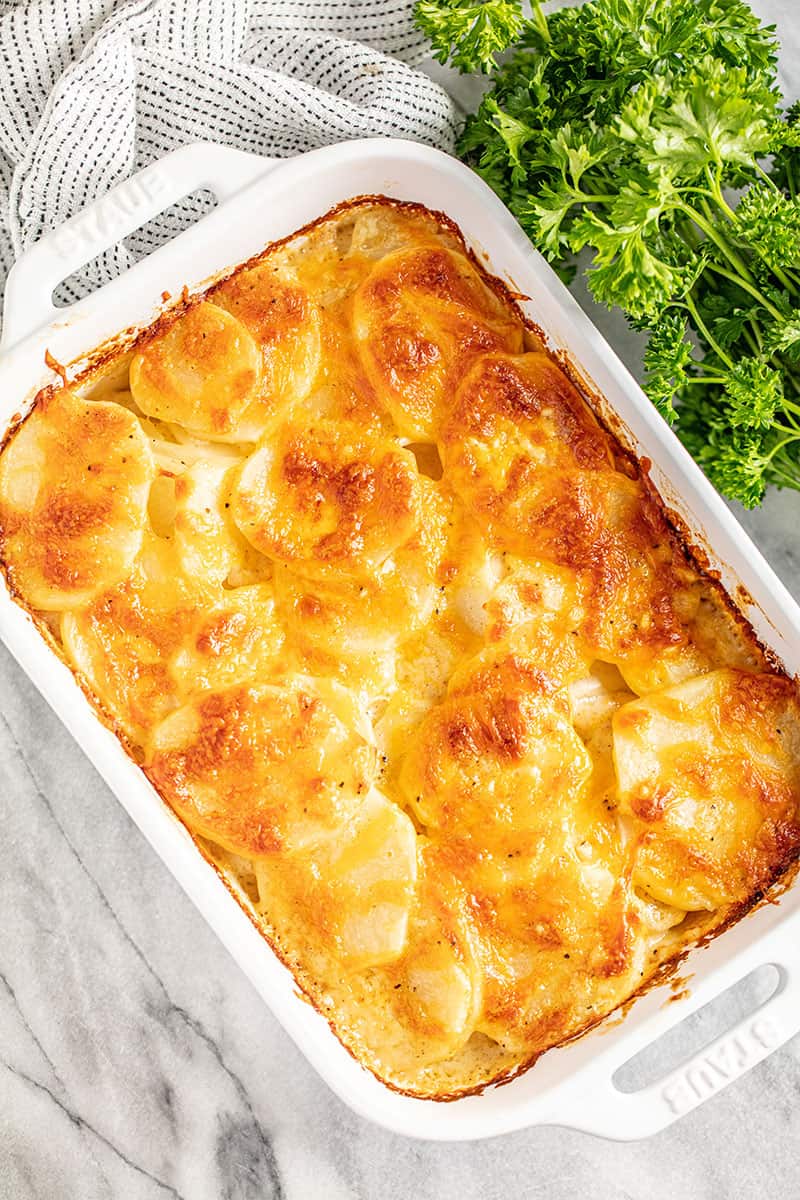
<point x="202" y="373"/>
<point x="150" y="642"/>
<point x="284" y="323"/>
<point x="260" y="767"/>
<point x="74" y="484"/>
<point x="500" y="755"/>
<point x="207" y="542"/>
<point x="327" y="498"/>
<point x="408" y="645"/>
<point x="350" y="893"/>
<point x="419" y="318"/>
<point x="708" y="775"/>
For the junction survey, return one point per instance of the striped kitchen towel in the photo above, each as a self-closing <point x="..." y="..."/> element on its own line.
<point x="91" y="90"/>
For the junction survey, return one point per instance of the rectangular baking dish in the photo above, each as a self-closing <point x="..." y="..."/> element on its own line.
<point x="259" y="201"/>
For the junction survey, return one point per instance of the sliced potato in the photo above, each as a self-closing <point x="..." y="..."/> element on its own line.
<point x="345" y="631"/>
<point x="74" y="484"/>
<point x="234" y="638"/>
<point x="529" y="459"/>
<point x="328" y="497"/>
<point x="644" y="671"/>
<point x="708" y="778"/>
<point x="262" y="767"/>
<point x="202" y="372"/>
<point x="347" y="897"/>
<point x="123" y="642"/>
<point x="558" y="939"/>
<point x="535" y="592"/>
<point x="207" y="542"/>
<point x="536" y="613"/>
<point x="595" y="697"/>
<point x="501" y="755"/>
<point x="436" y="987"/>
<point x="148" y="644"/>
<point x="418" y="318"/>
<point x="712" y="638"/>
<point x="285" y="325"/>
<point x="517" y="423"/>
<point x="379" y="231"/>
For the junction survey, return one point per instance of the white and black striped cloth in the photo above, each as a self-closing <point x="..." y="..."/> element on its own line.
<point x="91" y="90"/>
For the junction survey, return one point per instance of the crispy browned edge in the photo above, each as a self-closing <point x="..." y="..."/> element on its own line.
<point x="129" y="339"/>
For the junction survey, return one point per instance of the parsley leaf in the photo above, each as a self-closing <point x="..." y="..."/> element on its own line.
<point x="666" y="358"/>
<point x="769" y="221"/>
<point x="626" y="265"/>
<point x="738" y="469"/>
<point x="639" y="133"/>
<point x="711" y="121"/>
<point x="544" y="219"/>
<point x="514" y="134"/>
<point x="469" y="35"/>
<point x="753" y="392"/>
<point x="784" y="337"/>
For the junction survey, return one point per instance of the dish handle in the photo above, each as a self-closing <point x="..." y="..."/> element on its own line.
<point x="599" y="1107"/>
<point x="106" y="221"/>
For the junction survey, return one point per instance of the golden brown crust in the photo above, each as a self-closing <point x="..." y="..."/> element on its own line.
<point x="420" y="318"/>
<point x="328" y="497"/>
<point x="265" y="766"/>
<point x="74" y="482"/>
<point x="500" y="754"/>
<point x="149" y="643"/>
<point x="708" y="776"/>
<point x="452" y="718"/>
<point x="202" y="372"/>
<point x="284" y="322"/>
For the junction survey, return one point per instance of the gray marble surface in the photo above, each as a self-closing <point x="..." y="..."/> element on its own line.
<point x="137" y="1062"/>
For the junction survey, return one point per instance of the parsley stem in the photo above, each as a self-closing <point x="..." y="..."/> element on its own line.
<point x="793" y="437"/>
<point x="785" y="278"/>
<point x="731" y="215"/>
<point x="748" y="287"/>
<point x="791" y="407"/>
<point x="719" y="195"/>
<point x="781" y="275"/>
<point x="700" y="324"/>
<point x="539" y="20"/>
<point x="708" y="229"/>
<point x="790" y="374"/>
<point x="689" y="234"/>
<point x="753" y="337"/>
<point x="767" y="178"/>
<point x="792" y="428"/>
<point x="787" y="473"/>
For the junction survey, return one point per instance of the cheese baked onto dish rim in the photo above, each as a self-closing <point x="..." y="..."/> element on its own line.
<point x="404" y="638"/>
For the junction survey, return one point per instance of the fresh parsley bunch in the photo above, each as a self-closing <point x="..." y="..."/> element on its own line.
<point x="651" y="132"/>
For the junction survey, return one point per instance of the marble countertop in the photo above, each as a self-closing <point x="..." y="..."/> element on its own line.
<point x="137" y="1062"/>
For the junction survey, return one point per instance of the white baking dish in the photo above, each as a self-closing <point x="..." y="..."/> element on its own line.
<point x="261" y="200"/>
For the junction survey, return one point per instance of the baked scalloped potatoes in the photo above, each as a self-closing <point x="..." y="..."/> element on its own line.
<point x="408" y="643"/>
